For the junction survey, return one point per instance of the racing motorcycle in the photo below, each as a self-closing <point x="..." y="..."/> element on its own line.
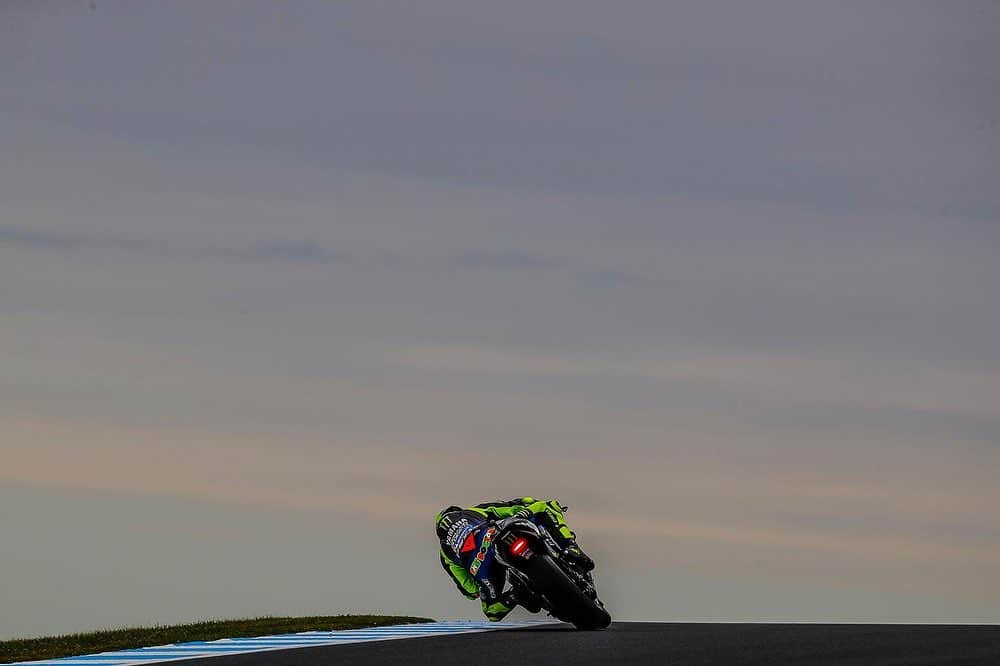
<point x="543" y="578"/>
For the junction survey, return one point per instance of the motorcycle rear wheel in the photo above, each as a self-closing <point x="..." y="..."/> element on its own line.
<point x="568" y="602"/>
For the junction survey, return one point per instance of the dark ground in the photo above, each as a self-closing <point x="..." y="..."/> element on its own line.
<point x="656" y="643"/>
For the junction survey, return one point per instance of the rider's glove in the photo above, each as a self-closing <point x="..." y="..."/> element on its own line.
<point x="503" y="523"/>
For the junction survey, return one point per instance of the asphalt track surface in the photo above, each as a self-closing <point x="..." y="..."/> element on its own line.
<point x="661" y="643"/>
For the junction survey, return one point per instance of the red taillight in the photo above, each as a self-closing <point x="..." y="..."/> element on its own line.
<point x="519" y="546"/>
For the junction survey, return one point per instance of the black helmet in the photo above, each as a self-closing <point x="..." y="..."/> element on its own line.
<point x="443" y="521"/>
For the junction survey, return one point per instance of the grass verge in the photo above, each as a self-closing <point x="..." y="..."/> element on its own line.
<point x="52" y="647"/>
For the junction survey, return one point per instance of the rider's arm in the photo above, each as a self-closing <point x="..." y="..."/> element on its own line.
<point x="529" y="506"/>
<point x="463" y="579"/>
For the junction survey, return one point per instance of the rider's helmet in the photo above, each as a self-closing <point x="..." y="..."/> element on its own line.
<point x="442" y="522"/>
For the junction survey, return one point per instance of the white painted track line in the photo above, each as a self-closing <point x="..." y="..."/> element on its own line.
<point x="226" y="646"/>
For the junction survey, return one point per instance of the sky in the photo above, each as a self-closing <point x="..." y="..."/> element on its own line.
<point x="279" y="281"/>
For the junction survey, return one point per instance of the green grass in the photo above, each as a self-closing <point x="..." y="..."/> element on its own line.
<point x="51" y="647"/>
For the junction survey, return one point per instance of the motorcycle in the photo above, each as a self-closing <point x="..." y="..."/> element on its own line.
<point x="537" y="566"/>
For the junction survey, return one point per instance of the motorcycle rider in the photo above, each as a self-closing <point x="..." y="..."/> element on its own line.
<point x="461" y="533"/>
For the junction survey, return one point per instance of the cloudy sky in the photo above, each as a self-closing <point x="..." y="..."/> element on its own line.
<point x="279" y="281"/>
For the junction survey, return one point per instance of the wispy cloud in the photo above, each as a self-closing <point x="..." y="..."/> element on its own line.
<point x="299" y="251"/>
<point x="525" y="261"/>
<point x="504" y="260"/>
<point x="608" y="278"/>
<point x="37" y="240"/>
<point x="786" y="377"/>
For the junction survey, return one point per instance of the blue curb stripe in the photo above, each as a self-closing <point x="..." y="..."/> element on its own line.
<point x="162" y="653"/>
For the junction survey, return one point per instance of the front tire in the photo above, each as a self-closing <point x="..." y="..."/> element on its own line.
<point x="567" y="601"/>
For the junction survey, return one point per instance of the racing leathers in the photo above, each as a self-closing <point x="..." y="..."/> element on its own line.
<point x="466" y="533"/>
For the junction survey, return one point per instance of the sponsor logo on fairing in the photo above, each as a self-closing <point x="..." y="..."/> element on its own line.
<point x="458" y="532"/>
<point x="483" y="548"/>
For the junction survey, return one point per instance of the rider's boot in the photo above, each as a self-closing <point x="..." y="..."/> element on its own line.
<point x="571" y="551"/>
<point x="575" y="555"/>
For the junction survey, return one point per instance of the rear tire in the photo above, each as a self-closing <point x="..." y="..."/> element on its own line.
<point x="568" y="602"/>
